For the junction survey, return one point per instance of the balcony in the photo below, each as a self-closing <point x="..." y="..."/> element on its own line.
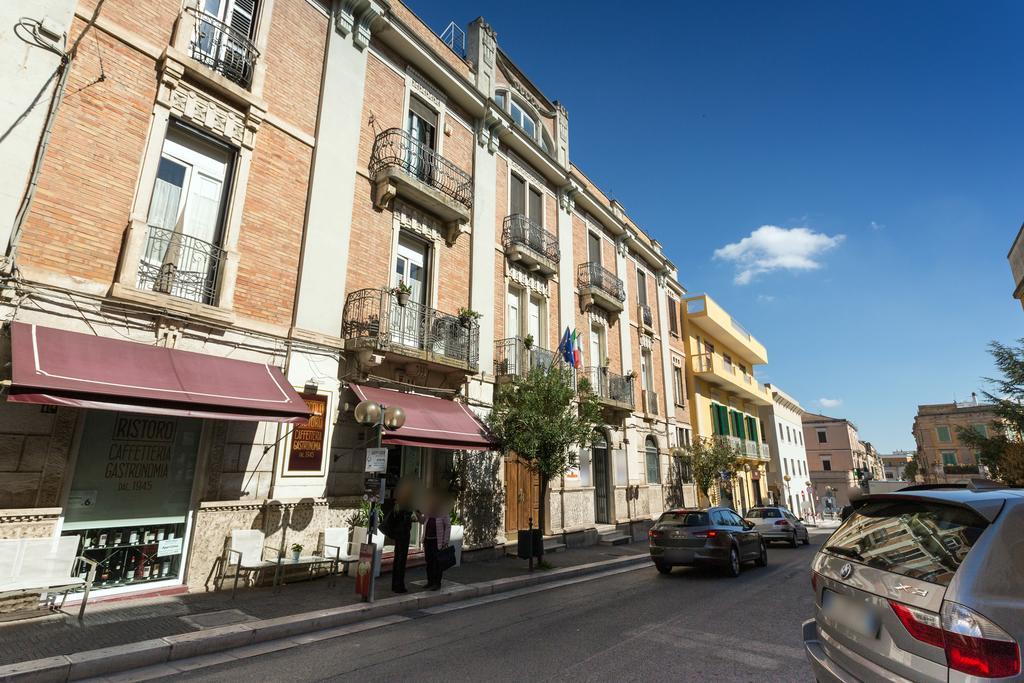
<point x="512" y="359"/>
<point x="714" y="369"/>
<point x="403" y="166"/>
<point x="704" y="313"/>
<point x="599" y="286"/>
<point x="180" y="265"/>
<point x="645" y="317"/>
<point x="960" y="469"/>
<point x="375" y="323"/>
<point x="529" y="244"/>
<point x="612" y="391"/>
<point x="222" y="48"/>
<point x="748" y="448"/>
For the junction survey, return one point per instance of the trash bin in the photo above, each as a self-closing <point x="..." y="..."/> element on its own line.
<point x="530" y="544"/>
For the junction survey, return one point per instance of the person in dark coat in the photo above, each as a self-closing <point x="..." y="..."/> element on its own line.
<point x="400" y="530"/>
<point x="437" y="529"/>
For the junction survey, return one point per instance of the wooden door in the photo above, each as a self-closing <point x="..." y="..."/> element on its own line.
<point x="521" y="495"/>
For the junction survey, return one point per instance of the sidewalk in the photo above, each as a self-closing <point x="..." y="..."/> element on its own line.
<point x="122" y="622"/>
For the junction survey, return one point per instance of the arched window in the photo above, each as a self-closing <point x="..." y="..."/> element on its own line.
<point x="653" y="461"/>
<point x="523" y="119"/>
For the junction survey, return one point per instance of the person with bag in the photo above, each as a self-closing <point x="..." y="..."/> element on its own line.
<point x="397" y="525"/>
<point x="437" y="529"/>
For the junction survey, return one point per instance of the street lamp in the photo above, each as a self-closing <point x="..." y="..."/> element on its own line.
<point x="373" y="414"/>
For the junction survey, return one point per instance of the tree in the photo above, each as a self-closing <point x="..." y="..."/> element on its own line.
<point x="709" y="457"/>
<point x="911" y="469"/>
<point x="543" y="419"/>
<point x="1001" y="450"/>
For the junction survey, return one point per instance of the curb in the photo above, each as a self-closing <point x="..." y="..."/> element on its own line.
<point x="109" y="660"/>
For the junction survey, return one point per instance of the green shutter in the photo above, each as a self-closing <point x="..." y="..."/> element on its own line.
<point x="737" y="423"/>
<point x="752" y="429"/>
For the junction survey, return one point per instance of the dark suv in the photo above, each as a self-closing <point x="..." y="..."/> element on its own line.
<point x="715" y="536"/>
<point x="924" y="584"/>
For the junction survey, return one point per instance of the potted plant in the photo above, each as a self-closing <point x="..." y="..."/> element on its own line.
<point x="528" y="342"/>
<point x="402" y="293"/>
<point x="296" y="551"/>
<point x="467" y="316"/>
<point x="631" y="375"/>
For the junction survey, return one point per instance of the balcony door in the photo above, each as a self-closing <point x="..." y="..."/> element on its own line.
<point x="423" y="131"/>
<point x="594" y="248"/>
<point x="408" y="323"/>
<point x="182" y="254"/>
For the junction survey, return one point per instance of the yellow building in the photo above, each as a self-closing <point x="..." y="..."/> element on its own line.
<point x="724" y="394"/>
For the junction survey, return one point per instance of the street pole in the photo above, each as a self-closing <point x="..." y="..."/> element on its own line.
<point x="374" y="515"/>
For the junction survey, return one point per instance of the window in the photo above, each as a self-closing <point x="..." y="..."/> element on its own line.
<point x="780" y="431"/>
<point x="822" y="436"/>
<point x="422" y="126"/>
<point x="683" y="519"/>
<point x="677" y="385"/>
<point x="523" y="120"/>
<point x="224" y="33"/>
<point x="597" y="346"/>
<point x="788" y="437"/>
<point x="182" y="256"/>
<point x="641" y="287"/>
<point x="646" y="372"/>
<point x="737" y="424"/>
<point x="949" y="458"/>
<point x="764" y="513"/>
<point x="653" y="461"/>
<point x="594" y="247"/>
<point x="673" y="321"/>
<point x="943" y="433"/>
<point x="683" y="436"/>
<point x="752" y="428"/>
<point x="727" y="362"/>
<point x="720" y="419"/>
<point x="709" y="348"/>
<point x="926" y="541"/>
<point x="801" y="435"/>
<point x="826" y="463"/>
<point x="981" y="429"/>
<point x="501" y="99"/>
<point x="785" y="465"/>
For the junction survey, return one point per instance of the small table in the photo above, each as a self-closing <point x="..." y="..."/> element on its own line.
<point x="303" y="561"/>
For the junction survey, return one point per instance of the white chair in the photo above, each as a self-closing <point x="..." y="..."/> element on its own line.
<point x="338" y="548"/>
<point x="44" y="565"/>
<point x="246" y="546"/>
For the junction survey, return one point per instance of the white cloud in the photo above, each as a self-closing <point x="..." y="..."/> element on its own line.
<point x="830" y="402"/>
<point x="877" y="226"/>
<point x="765" y="298"/>
<point x="771" y="248"/>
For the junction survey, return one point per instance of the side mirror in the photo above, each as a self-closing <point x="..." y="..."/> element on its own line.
<point x="799" y="519"/>
<point x="748" y="525"/>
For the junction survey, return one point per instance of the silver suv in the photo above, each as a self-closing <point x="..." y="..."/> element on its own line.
<point x="924" y="584"/>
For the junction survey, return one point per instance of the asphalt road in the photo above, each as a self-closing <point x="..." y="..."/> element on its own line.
<point x="694" y="625"/>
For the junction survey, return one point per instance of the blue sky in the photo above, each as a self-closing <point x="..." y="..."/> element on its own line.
<point x="889" y="131"/>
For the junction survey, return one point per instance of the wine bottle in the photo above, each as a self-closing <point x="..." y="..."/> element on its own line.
<point x="102" y="542"/>
<point x="133" y="537"/>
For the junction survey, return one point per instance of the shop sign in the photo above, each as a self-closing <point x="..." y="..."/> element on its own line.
<point x="307" y="452"/>
<point x="376" y="460"/>
<point x="170" y="546"/>
<point x="132" y="466"/>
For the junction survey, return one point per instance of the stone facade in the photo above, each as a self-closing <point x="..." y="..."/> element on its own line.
<point x="941" y="454"/>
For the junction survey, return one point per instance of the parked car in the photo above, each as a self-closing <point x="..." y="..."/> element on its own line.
<point x="712" y="536"/>
<point x="923" y="584"/>
<point x="779" y="524"/>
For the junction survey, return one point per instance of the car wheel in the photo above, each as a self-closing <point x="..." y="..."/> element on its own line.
<point x="792" y="541"/>
<point x="663" y="568"/>
<point x="762" y="559"/>
<point x="732" y="566"/>
<point x="807" y="537"/>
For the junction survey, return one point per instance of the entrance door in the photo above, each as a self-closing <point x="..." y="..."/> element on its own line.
<point x="522" y="488"/>
<point x="602" y="497"/>
<point x="407" y="322"/>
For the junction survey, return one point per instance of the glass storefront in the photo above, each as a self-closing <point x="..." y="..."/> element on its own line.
<point x="130" y="496"/>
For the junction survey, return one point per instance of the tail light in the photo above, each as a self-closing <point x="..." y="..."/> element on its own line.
<point x="976" y="646"/>
<point x="706" y="534"/>
<point x="814" y="582"/>
<point x="782" y="522"/>
<point x="973" y="644"/>
<point x="654" y="533"/>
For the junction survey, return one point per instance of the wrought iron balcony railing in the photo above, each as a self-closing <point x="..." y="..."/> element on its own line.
<point x="180" y="265"/>
<point x="376" y="316"/>
<point x="960" y="469"/>
<point x="519" y="229"/>
<point x="592" y="274"/>
<point x="513" y="359"/>
<point x="643" y="314"/>
<point x="223" y="48"/>
<point x="396" y="147"/>
<point x="609" y="386"/>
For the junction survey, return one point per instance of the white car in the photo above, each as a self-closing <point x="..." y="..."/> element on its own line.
<point x="778" y="524"/>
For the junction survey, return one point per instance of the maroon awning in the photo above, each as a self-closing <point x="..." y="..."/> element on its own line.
<point x="58" y="367"/>
<point x="429" y="421"/>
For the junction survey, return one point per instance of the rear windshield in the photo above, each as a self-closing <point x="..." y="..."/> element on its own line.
<point x="683" y="518"/>
<point x="921" y="540"/>
<point x="763" y="513"/>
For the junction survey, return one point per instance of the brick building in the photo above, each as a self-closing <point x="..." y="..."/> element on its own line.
<point x="222" y="235"/>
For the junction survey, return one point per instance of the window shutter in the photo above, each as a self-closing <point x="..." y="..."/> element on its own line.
<point x="518" y="195"/>
<point x="243" y="17"/>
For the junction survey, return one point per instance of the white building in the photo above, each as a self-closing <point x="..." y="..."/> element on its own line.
<point x="789" y="480"/>
<point x="894" y="463"/>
